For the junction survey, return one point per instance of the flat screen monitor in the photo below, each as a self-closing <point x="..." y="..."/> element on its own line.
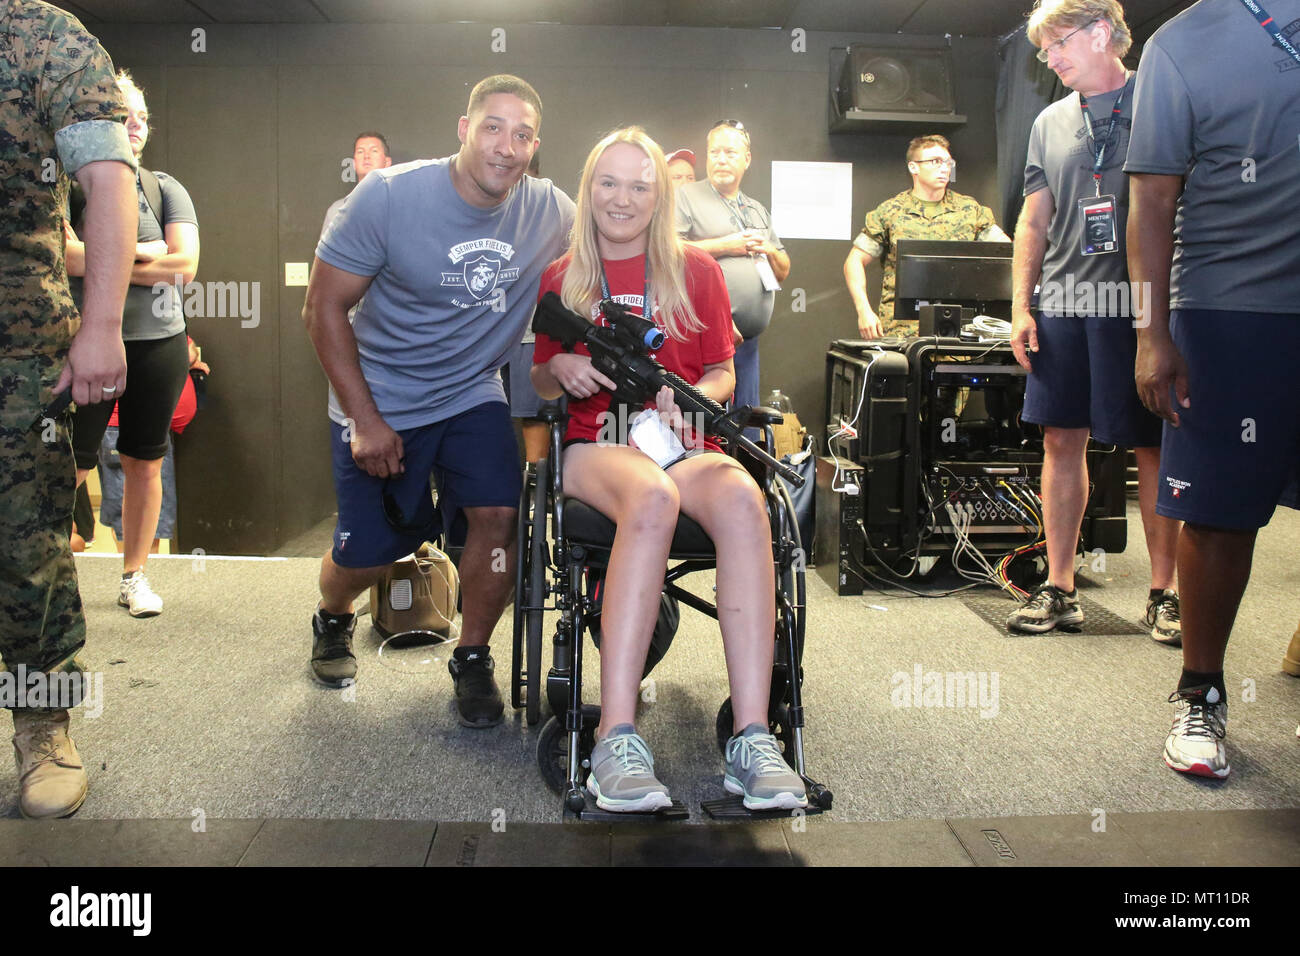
<point x="972" y="274"/>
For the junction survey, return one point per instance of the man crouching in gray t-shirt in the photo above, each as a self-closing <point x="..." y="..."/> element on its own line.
<point x="448" y="255"/>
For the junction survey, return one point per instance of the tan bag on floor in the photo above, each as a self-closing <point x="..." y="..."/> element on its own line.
<point x="789" y="435"/>
<point x="417" y="595"/>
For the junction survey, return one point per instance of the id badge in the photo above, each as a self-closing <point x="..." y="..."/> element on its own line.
<point x="766" y="275"/>
<point x="1100" y="233"/>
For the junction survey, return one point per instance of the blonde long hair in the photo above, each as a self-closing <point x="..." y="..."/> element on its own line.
<point x="665" y="252"/>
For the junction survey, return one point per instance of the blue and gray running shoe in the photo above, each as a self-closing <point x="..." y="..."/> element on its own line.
<point x="622" y="775"/>
<point x="756" y="769"/>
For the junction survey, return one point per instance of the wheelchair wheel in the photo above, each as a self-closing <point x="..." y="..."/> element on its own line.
<point x="793" y="580"/>
<point x="778" y="724"/>
<point x="536" y="596"/>
<point x="553" y="749"/>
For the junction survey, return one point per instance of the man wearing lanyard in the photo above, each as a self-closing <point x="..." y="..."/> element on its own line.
<point x="1080" y="350"/>
<point x="1222" y="154"/>
<point x="737" y="231"/>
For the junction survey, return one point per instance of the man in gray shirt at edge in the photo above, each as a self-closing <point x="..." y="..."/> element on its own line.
<point x="369" y="151"/>
<point x="1219" y="338"/>
<point x="448" y="255"/>
<point x="1081" y="348"/>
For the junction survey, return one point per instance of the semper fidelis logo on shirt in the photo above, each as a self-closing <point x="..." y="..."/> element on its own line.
<point x="484" y="272"/>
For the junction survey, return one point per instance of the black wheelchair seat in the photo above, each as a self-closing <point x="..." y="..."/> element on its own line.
<point x="585" y="525"/>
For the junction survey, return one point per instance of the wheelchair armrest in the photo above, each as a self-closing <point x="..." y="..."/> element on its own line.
<point x="553" y="411"/>
<point x="760" y="416"/>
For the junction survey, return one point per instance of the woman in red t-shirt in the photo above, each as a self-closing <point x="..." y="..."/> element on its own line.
<point x="625" y="247"/>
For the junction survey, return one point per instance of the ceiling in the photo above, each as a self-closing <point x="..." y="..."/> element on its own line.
<point x="915" y="17"/>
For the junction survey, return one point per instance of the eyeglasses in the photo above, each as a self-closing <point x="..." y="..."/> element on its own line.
<point x="735" y="124"/>
<point x="936" y="162"/>
<point x="1060" y="44"/>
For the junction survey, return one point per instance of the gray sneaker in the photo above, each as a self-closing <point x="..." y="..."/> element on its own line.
<point x="1048" y="607"/>
<point x="756" y="769"/>
<point x="622" y="775"/>
<point x="1165" y="619"/>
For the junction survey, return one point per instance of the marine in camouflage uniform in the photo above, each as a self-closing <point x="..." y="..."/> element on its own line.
<point x="60" y="109"/>
<point x="907" y="216"/>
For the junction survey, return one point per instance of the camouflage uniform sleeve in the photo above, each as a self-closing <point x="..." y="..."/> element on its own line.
<point x="987" y="227"/>
<point x="79" y="99"/>
<point x="874" y="237"/>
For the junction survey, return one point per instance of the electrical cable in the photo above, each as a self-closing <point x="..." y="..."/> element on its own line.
<point x="863" y="570"/>
<point x="990" y="327"/>
<point x="850" y="429"/>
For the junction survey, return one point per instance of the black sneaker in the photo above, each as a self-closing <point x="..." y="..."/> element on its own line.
<point x="1164" y="618"/>
<point x="1048" y="607"/>
<point x="332" y="660"/>
<point x="477" y="697"/>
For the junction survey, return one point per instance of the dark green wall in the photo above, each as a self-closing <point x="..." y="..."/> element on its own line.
<point x="256" y="128"/>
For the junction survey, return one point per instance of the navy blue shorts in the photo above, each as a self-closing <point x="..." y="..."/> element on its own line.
<point x="1237" y="448"/>
<point x="1083" y="378"/>
<point x="474" y="460"/>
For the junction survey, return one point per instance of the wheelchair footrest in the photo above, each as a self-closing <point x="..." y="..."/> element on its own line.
<point x="732" y="807"/>
<point x="593" y="814"/>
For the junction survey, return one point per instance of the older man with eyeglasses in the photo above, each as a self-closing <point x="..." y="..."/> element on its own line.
<point x="1080" y="345"/>
<point x="737" y="231"/>
<point x="929" y="210"/>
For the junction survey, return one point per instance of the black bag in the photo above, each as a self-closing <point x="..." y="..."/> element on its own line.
<point x="804" y="462"/>
<point x="670" y="616"/>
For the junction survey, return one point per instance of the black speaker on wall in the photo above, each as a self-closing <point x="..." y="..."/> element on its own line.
<point x="875" y="86"/>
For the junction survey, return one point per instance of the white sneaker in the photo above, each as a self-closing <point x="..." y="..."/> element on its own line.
<point x="1195" y="742"/>
<point x="136" y="596"/>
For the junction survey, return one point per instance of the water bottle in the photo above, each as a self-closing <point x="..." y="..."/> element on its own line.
<point x="778" y="402"/>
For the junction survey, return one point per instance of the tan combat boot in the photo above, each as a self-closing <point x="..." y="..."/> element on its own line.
<point x="52" y="780"/>
<point x="1291" y="661"/>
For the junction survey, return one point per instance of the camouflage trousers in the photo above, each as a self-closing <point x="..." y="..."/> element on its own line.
<point x="41" y="623"/>
<point x="901" y="327"/>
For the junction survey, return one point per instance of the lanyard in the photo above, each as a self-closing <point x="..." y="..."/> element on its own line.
<point x="739" y="210"/>
<point x="646" y="309"/>
<point x="1270" y="25"/>
<point x="1100" y="156"/>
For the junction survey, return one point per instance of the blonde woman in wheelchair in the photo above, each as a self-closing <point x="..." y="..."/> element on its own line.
<point x="625" y="247"/>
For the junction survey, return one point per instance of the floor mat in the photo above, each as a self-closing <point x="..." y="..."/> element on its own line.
<point x="993" y="609"/>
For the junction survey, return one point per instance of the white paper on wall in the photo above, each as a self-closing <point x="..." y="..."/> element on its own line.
<point x="812" y="200"/>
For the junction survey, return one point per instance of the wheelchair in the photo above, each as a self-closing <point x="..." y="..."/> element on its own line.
<point x="564" y="547"/>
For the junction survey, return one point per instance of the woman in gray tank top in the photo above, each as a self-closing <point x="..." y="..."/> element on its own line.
<point x="153" y="331"/>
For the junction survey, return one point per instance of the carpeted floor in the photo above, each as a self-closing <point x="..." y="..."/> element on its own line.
<point x="210" y="707"/>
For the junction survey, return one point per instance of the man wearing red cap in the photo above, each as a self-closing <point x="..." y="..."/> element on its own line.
<point x="681" y="167"/>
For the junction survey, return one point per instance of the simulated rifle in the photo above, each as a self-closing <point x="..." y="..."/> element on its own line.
<point x="620" y="353"/>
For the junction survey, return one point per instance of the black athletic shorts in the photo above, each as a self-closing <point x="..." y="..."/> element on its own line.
<point x="155" y="376"/>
